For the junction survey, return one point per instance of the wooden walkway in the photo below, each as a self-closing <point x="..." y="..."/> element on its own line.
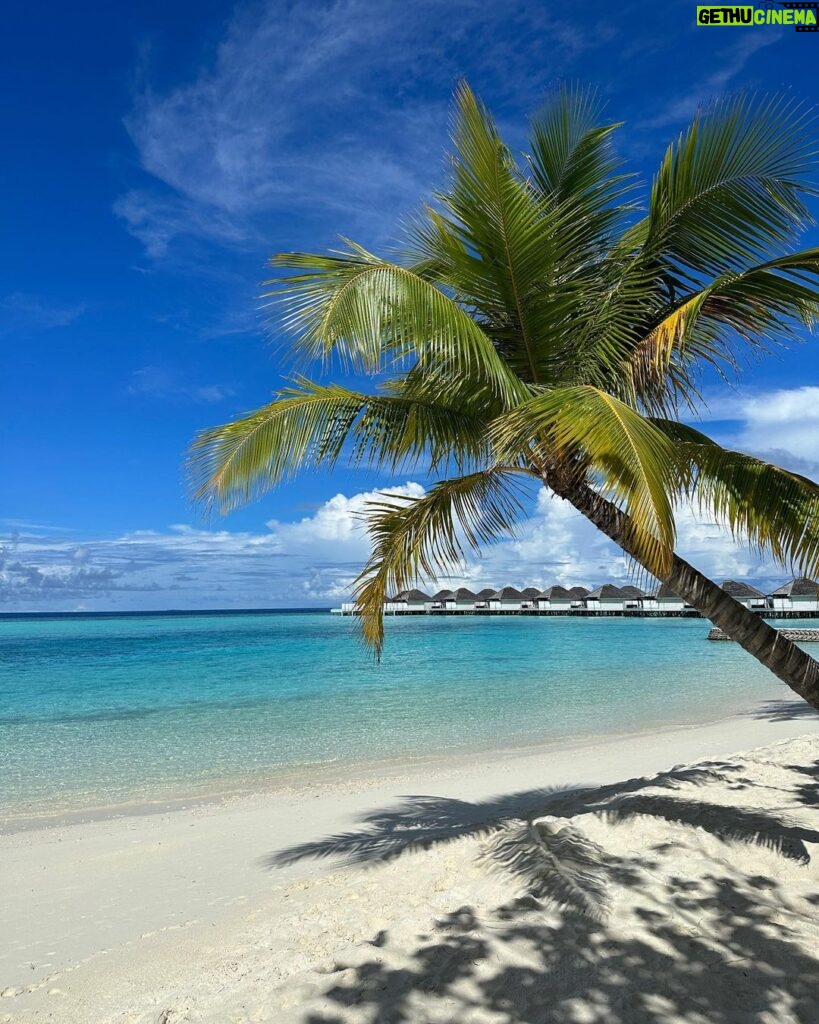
<point x="799" y="635"/>
<point x="589" y="613"/>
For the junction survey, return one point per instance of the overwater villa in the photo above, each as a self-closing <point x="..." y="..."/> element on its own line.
<point x="555" y="598"/>
<point x="663" y="599"/>
<point x="798" y="598"/>
<point x="507" y="599"/>
<point x="409" y="601"/>
<point x="745" y="594"/>
<point x="609" y="598"/>
<point x="800" y="594"/>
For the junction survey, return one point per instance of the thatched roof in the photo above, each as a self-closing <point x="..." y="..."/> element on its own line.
<point x="578" y="593"/>
<point x="665" y="593"/>
<point x="608" y="590"/>
<point x="415" y="596"/>
<point x="555" y="593"/>
<point x="530" y="593"/>
<point x="738" y="589"/>
<point x="463" y="594"/>
<point x="507" y="594"/>
<point x="800" y="587"/>
<point x="633" y="592"/>
<point x="442" y="595"/>
<point x="486" y="593"/>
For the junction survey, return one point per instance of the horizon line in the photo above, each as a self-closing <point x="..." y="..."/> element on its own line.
<point x="161" y="611"/>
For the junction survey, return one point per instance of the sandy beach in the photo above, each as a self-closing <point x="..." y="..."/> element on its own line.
<point x="534" y="885"/>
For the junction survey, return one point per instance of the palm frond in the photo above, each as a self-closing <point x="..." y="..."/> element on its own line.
<point x="376" y="315"/>
<point x="523" y="247"/>
<point x="628" y="457"/>
<point x="733" y="187"/>
<point x="503" y="225"/>
<point x="575" y="167"/>
<point x="755" y="310"/>
<point x="771" y="509"/>
<point x="414" y="537"/>
<point x="312" y="425"/>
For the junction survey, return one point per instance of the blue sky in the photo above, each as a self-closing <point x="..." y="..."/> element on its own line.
<point x="156" y="154"/>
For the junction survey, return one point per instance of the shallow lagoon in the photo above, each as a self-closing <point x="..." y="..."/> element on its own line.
<point x="94" y="711"/>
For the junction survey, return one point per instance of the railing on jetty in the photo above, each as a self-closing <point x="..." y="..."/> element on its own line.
<point x="801" y="636"/>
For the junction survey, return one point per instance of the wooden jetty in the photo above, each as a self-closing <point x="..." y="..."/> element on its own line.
<point x="801" y="636"/>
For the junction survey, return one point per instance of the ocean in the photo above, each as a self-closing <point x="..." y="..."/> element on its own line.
<point x="99" y="712"/>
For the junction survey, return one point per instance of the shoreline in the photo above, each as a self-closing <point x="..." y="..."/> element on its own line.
<point x="328" y="775"/>
<point x="116" y="913"/>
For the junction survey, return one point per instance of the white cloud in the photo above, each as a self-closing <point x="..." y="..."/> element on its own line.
<point x="263" y="130"/>
<point x="307" y="109"/>
<point x="21" y="312"/>
<point x="156" y="220"/>
<point x="339" y="521"/>
<point x="14" y="525"/>
<point x="160" y="383"/>
<point x="312" y="560"/>
<point x="315" y="559"/>
<point x="780" y="425"/>
<point x="787" y="419"/>
<point x="735" y="59"/>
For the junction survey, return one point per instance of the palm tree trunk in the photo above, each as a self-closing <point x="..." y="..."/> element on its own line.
<point x="787" y="661"/>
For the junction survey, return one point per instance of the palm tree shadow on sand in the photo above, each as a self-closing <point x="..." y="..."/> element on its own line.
<point x="719" y="949"/>
<point x="783" y="711"/>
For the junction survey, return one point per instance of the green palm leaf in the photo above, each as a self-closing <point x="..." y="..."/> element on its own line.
<point x="758" y="303"/>
<point x="377" y="315"/>
<point x="414" y="537"/>
<point x="755" y="308"/>
<point x="582" y="430"/>
<point x="575" y="168"/>
<point x="496" y="229"/>
<point x="770" y="508"/>
<point x="312" y="425"/>
<point x="733" y="186"/>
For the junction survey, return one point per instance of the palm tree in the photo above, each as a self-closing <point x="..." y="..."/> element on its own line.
<point x="534" y="325"/>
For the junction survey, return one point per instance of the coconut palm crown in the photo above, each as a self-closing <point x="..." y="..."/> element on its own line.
<point x="539" y="323"/>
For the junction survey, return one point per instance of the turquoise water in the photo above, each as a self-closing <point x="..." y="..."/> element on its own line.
<point x="98" y="711"/>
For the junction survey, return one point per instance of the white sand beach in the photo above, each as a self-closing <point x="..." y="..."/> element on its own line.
<point x="525" y="886"/>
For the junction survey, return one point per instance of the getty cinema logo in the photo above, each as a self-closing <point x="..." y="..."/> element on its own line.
<point x="804" y="16"/>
